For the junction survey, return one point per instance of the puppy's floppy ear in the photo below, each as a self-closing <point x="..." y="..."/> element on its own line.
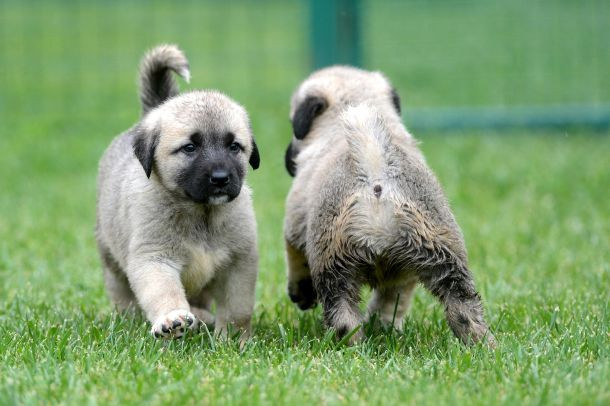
<point x="144" y="145"/>
<point x="255" y="158"/>
<point x="291" y="166"/>
<point x="395" y="100"/>
<point x="305" y="113"/>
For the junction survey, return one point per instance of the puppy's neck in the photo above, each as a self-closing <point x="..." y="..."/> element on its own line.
<point x="202" y="211"/>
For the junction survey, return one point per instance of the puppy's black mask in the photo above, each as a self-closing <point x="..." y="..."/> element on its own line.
<point x="214" y="173"/>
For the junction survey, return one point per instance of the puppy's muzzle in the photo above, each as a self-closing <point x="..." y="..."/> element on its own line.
<point x="215" y="187"/>
<point x="221" y="187"/>
<point x="219" y="178"/>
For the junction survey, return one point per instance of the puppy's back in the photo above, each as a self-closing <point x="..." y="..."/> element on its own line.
<point x="394" y="195"/>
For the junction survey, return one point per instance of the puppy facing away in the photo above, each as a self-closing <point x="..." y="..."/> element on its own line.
<point x="365" y="209"/>
<point x="175" y="222"/>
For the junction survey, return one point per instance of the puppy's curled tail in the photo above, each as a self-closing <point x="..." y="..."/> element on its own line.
<point x="368" y="140"/>
<point x="156" y="81"/>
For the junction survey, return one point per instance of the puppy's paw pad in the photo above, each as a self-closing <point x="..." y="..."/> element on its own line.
<point x="174" y="324"/>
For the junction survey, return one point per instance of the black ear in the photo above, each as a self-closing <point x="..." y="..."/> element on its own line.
<point x="305" y="113"/>
<point x="255" y="158"/>
<point x="396" y="100"/>
<point x="144" y="145"/>
<point x="291" y="166"/>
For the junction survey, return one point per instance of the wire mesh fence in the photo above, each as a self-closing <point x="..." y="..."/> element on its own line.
<point x="79" y="58"/>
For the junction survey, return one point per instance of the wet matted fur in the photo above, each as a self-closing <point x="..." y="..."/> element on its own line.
<point x="175" y="222"/>
<point x="364" y="208"/>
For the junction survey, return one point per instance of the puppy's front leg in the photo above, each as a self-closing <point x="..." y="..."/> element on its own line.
<point x="234" y="291"/>
<point x="201" y="306"/>
<point x="160" y="293"/>
<point x="300" y="286"/>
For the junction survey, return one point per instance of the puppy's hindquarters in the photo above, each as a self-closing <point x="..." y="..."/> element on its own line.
<point x="354" y="250"/>
<point x="385" y="234"/>
<point x="430" y="250"/>
<point x="362" y="246"/>
<point x="391" y="244"/>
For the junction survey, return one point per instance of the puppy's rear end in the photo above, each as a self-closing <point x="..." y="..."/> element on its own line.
<point x="372" y="215"/>
<point x="394" y="228"/>
<point x="381" y="220"/>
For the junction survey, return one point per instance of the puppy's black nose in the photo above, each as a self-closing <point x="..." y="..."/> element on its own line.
<point x="219" y="177"/>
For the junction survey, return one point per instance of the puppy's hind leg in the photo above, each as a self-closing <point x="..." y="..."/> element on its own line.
<point x="453" y="285"/>
<point x="117" y="285"/>
<point x="339" y="293"/>
<point x="439" y="258"/>
<point x="300" y="285"/>
<point x="234" y="292"/>
<point x="201" y="306"/>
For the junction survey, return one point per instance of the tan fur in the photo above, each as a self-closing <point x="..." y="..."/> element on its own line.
<point x="202" y="268"/>
<point x="364" y="208"/>
<point x="161" y="251"/>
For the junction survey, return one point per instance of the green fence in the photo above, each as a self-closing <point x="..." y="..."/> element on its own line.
<point x="456" y="64"/>
<point x="491" y="37"/>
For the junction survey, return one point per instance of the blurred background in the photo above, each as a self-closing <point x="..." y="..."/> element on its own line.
<point x="526" y="83"/>
<point x="78" y="58"/>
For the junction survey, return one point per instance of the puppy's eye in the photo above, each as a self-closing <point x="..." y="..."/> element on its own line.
<point x="234" y="147"/>
<point x="188" y="148"/>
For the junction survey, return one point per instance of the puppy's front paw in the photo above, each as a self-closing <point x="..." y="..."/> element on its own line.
<point x="174" y="324"/>
<point x="302" y="293"/>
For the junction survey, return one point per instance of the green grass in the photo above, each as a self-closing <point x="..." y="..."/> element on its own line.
<point x="533" y="206"/>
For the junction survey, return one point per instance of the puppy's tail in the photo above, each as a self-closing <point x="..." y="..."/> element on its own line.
<point x="156" y="81"/>
<point x="368" y="140"/>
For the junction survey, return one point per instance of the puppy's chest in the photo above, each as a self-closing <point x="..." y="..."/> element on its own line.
<point x="201" y="266"/>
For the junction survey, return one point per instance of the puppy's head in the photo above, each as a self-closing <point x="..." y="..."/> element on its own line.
<point x="198" y="145"/>
<point x="327" y="92"/>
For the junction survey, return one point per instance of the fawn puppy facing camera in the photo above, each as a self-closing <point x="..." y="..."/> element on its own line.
<point x="364" y="208"/>
<point x="175" y="222"/>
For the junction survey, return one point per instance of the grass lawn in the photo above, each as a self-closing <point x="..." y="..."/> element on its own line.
<point x="534" y="207"/>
